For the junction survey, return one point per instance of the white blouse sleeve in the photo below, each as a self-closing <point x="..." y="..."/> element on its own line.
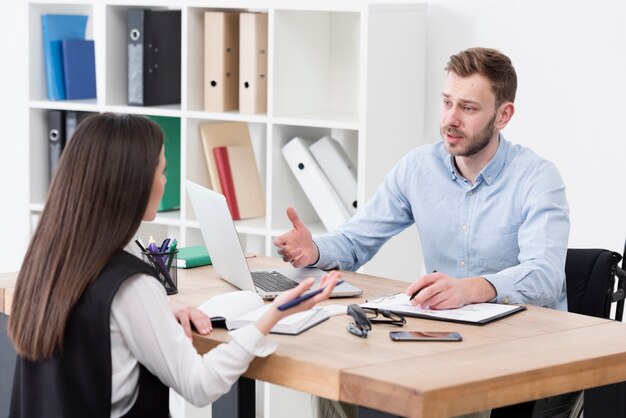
<point x="155" y="339"/>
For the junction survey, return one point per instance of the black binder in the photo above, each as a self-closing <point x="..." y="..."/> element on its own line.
<point x="72" y="120"/>
<point x="154" y="57"/>
<point x="56" y="138"/>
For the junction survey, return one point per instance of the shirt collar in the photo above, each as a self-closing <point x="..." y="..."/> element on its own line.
<point x="493" y="168"/>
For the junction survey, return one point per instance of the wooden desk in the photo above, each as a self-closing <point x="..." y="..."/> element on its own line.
<point x="530" y="355"/>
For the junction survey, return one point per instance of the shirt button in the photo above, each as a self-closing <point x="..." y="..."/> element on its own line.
<point x="506" y="300"/>
<point x="470" y="193"/>
<point x="464" y="228"/>
<point x="462" y="263"/>
<point x="488" y="178"/>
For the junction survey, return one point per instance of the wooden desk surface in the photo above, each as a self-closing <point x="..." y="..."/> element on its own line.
<point x="535" y="353"/>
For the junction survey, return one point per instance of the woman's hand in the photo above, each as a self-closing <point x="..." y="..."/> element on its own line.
<point x="273" y="315"/>
<point x="188" y="315"/>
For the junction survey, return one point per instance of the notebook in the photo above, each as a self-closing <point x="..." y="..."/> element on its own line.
<point x="229" y="262"/>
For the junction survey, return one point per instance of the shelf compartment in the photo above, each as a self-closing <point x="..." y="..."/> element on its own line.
<point x="117" y="59"/>
<point x="196" y="168"/>
<point x="37" y="77"/>
<point x="323" y="82"/>
<point x="195" y="62"/>
<point x="285" y="188"/>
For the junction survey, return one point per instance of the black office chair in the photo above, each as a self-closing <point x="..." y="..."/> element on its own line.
<point x="591" y="290"/>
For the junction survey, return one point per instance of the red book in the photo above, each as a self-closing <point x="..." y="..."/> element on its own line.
<point x="226" y="180"/>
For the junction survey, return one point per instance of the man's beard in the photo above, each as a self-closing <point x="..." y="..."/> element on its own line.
<point x="473" y="144"/>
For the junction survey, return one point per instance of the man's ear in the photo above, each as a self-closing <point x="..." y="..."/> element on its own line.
<point x="504" y="115"/>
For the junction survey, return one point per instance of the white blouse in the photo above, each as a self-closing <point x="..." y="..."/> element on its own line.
<point x="144" y="330"/>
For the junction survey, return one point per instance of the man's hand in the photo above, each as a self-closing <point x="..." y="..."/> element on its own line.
<point x="439" y="291"/>
<point x="297" y="246"/>
<point x="188" y="315"/>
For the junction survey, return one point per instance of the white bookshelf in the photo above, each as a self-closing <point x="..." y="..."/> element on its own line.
<point x="350" y="69"/>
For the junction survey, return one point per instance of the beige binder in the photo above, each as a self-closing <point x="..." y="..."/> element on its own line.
<point x="221" y="134"/>
<point x="221" y="61"/>
<point x="246" y="181"/>
<point x="253" y="63"/>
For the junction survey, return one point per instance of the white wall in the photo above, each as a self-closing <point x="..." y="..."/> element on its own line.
<point x="571" y="62"/>
<point x="570" y="58"/>
<point x="14" y="223"/>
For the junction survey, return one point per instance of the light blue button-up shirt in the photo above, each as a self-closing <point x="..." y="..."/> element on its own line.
<point x="510" y="227"/>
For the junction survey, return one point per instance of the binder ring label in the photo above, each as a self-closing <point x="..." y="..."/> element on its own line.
<point x="53" y="135"/>
<point x="135" y="34"/>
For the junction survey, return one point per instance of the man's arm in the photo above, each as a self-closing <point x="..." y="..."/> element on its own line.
<point x="539" y="278"/>
<point x="386" y="214"/>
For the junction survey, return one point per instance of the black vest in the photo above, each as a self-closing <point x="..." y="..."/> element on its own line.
<point x="77" y="382"/>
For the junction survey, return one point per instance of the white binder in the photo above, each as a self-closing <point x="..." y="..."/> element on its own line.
<point x="323" y="197"/>
<point x="338" y="168"/>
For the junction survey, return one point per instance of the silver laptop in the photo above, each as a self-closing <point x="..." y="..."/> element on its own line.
<point x="229" y="262"/>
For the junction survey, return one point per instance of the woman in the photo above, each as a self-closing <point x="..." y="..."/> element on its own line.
<point x="93" y="330"/>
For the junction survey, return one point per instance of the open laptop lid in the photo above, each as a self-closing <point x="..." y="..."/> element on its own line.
<point x="220" y="236"/>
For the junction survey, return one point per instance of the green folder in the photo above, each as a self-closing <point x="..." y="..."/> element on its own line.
<point x="193" y="256"/>
<point x="171" y="136"/>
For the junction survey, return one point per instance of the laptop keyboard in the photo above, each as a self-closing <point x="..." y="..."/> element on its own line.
<point x="272" y="281"/>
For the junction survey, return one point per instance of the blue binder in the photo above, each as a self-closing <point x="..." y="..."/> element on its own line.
<point x="56" y="28"/>
<point x="79" y="69"/>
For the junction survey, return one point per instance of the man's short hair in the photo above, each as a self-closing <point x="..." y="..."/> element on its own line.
<point x="489" y="63"/>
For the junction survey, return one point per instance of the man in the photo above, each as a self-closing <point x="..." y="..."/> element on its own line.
<point x="492" y="216"/>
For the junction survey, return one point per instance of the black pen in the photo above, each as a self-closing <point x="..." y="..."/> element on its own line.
<point x="304" y="297"/>
<point x="140" y="244"/>
<point x="418" y="290"/>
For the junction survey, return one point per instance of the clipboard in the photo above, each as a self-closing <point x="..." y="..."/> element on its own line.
<point x="473" y="314"/>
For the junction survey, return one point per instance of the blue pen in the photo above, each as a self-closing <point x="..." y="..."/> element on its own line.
<point x="164" y="246"/>
<point x="302" y="298"/>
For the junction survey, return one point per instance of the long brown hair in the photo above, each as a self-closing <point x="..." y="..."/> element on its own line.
<point x="96" y="202"/>
<point x="490" y="63"/>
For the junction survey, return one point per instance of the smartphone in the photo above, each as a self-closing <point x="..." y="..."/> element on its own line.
<point x="424" y="336"/>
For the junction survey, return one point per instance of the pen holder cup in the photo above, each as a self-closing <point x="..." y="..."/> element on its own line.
<point x="165" y="265"/>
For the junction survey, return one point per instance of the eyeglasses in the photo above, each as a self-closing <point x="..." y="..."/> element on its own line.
<point x="365" y="317"/>
<point x="392" y="317"/>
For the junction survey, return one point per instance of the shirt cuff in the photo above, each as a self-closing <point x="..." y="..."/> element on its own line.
<point x="326" y="261"/>
<point x="253" y="341"/>
<point x="504" y="289"/>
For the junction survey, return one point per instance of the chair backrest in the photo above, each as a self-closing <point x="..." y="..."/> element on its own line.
<point x="590" y="275"/>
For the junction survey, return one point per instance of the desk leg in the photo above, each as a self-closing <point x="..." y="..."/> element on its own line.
<point x="7" y="365"/>
<point x="363" y="412"/>
<point x="239" y="402"/>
